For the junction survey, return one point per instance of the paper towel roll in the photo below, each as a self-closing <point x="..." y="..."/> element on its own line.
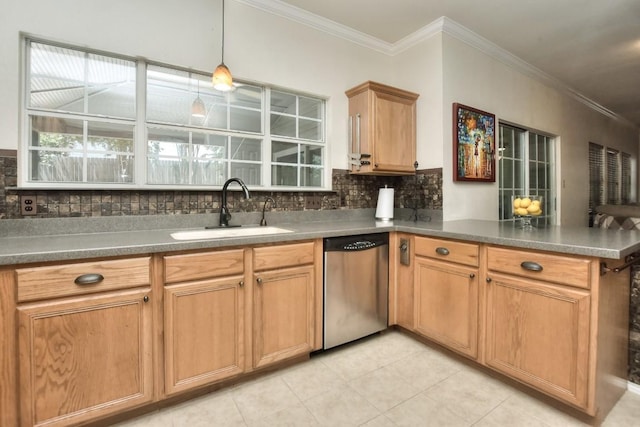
<point x="384" y="210"/>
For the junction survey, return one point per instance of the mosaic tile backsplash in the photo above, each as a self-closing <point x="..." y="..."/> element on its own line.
<point x="424" y="191"/>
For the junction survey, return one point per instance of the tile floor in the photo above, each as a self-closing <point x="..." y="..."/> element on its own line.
<point x="385" y="380"/>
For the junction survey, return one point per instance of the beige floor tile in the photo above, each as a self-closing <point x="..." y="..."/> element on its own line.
<point x="310" y="379"/>
<point x="350" y="362"/>
<point x="426" y="368"/>
<point x="342" y="407"/>
<point x="421" y="411"/>
<point x="470" y="394"/>
<point x="505" y="416"/>
<point x="263" y="397"/>
<point x="383" y="389"/>
<point x="293" y="416"/>
<point x="379" y="421"/>
<point x="522" y="403"/>
<point x="626" y="413"/>
<point x="391" y="346"/>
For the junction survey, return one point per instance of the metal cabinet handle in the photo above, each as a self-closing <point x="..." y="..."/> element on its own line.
<point x="259" y="280"/>
<point x="89" y="279"/>
<point x="358" y="133"/>
<point x="241" y="283"/>
<point x="472" y="275"/>
<point x="146" y="298"/>
<point x="351" y="133"/>
<point x="442" y="251"/>
<point x="488" y="279"/>
<point x="531" y="266"/>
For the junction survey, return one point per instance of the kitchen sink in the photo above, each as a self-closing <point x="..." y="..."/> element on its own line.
<point x="219" y="233"/>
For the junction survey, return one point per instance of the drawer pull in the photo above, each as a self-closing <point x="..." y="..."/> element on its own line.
<point x="88" y="279"/>
<point x="442" y="251"/>
<point x="472" y="276"/>
<point x="531" y="266"/>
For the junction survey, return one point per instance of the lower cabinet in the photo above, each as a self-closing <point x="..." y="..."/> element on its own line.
<point x="446" y="293"/>
<point x="538" y="333"/>
<point x="227" y="312"/>
<point x="284" y="316"/>
<point x="84" y="358"/>
<point x="204" y="332"/>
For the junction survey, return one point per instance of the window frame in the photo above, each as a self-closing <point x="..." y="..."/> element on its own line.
<point x="141" y="126"/>
<point x="549" y="192"/>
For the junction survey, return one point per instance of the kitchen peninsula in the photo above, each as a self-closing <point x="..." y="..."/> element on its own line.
<point x="513" y="295"/>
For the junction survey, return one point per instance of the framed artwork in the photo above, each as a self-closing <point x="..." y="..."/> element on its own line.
<point x="474" y="144"/>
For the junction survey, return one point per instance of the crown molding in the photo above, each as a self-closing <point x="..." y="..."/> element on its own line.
<point x="440" y="25"/>
<point x="279" y="8"/>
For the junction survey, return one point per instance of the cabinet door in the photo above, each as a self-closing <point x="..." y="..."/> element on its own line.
<point x="283" y="313"/>
<point x="84" y="358"/>
<point x="539" y="334"/>
<point x="446" y="304"/>
<point x="394" y="149"/>
<point x="204" y="324"/>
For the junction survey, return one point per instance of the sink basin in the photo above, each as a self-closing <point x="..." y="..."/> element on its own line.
<point x="219" y="233"/>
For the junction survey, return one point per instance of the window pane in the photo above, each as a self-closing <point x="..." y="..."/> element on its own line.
<point x="310" y="107"/>
<point x="283" y="125"/>
<point x="283" y="102"/>
<point x="284" y="152"/>
<point x="70" y="80"/>
<point x="250" y="173"/>
<point x="247" y="96"/>
<point x="284" y="175"/>
<point x="110" y="152"/>
<point x="310" y="155"/>
<point x="54" y="166"/>
<point x="245" y="120"/>
<point x="310" y="177"/>
<point x="167" y="152"/>
<point x="58" y="133"/>
<point x="246" y="149"/>
<point x="208" y="165"/>
<point x="310" y="129"/>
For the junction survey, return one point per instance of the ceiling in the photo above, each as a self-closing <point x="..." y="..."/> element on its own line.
<point x="591" y="46"/>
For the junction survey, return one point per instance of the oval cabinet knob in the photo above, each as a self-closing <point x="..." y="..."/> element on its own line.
<point x="146" y="298"/>
<point x="488" y="279"/>
<point x="259" y="280"/>
<point x="472" y="275"/>
<point x="241" y="283"/>
<point x="442" y="251"/>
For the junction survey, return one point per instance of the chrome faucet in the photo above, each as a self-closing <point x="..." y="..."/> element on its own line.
<point x="225" y="216"/>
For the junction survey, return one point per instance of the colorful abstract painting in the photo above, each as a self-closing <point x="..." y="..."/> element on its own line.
<point x="474" y="144"/>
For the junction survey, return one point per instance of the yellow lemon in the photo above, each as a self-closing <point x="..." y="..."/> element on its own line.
<point x="536" y="213"/>
<point x="521" y="211"/>
<point x="533" y="207"/>
<point x="516" y="202"/>
<point x="524" y="203"/>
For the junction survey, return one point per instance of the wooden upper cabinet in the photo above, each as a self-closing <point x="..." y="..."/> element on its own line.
<point x="382" y="130"/>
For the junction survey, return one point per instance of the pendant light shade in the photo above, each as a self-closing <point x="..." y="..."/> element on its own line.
<point x="221" y="78"/>
<point x="197" y="108"/>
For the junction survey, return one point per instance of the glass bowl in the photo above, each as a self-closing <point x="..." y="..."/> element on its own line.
<point x="526" y="208"/>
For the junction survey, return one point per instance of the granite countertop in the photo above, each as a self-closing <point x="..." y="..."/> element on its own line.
<point x="40" y="240"/>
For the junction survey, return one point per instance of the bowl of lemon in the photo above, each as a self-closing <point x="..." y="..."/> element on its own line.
<point x="526" y="208"/>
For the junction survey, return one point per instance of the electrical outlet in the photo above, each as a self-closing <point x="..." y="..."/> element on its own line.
<point x="28" y="205"/>
<point x="313" y="201"/>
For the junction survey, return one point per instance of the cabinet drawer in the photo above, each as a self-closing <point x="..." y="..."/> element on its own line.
<point x="447" y="250"/>
<point x="559" y="269"/>
<point x="60" y="280"/>
<point x="280" y="256"/>
<point x="181" y="268"/>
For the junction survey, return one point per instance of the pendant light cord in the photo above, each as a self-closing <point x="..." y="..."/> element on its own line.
<point x="223" y="31"/>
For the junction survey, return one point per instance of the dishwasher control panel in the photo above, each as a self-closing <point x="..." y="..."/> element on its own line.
<point x="359" y="245"/>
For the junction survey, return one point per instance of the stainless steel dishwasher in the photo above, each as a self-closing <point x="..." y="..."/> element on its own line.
<point x="356" y="282"/>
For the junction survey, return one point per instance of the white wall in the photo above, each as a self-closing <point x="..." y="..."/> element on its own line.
<point x="476" y="79"/>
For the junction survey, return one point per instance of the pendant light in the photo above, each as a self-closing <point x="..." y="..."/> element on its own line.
<point x="222" y="79"/>
<point x="197" y="108"/>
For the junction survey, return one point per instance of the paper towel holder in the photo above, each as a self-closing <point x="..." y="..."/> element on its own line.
<point x="384" y="208"/>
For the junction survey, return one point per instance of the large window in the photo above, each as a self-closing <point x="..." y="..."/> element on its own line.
<point x="526" y="165"/>
<point x="610" y="173"/>
<point x="99" y="120"/>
